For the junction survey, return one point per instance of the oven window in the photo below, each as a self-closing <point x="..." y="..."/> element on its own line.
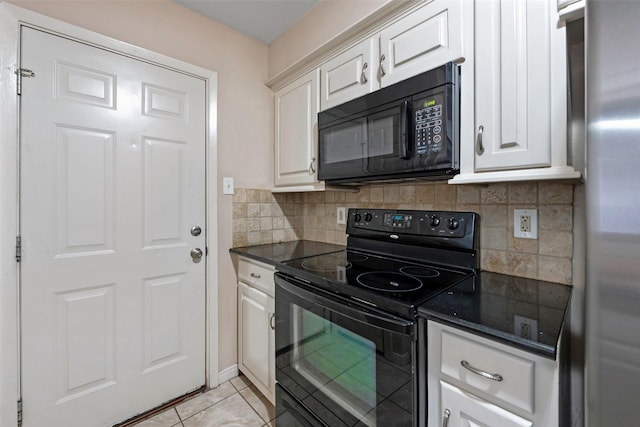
<point x="340" y="363"/>
<point x="345" y="366"/>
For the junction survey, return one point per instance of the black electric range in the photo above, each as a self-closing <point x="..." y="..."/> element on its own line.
<point x="346" y="326"/>
<point x="395" y="260"/>
<point x="395" y="285"/>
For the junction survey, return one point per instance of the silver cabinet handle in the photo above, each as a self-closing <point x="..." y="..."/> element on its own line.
<point x="255" y="276"/>
<point x="363" y="76"/>
<point x="494" y="377"/>
<point x="382" y="71"/>
<point x="272" y="321"/>
<point x="312" y="170"/>
<point x="445" y="418"/>
<point x="196" y="254"/>
<point x="479" y="146"/>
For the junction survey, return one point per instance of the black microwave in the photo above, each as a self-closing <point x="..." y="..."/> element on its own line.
<point x="405" y="131"/>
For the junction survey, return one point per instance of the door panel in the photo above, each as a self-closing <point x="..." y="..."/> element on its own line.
<point x="112" y="180"/>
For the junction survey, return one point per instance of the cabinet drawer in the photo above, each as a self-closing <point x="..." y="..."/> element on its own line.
<point x="257" y="274"/>
<point x="460" y="408"/>
<point x="466" y="360"/>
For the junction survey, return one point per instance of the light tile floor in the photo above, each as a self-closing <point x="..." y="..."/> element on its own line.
<point x="234" y="403"/>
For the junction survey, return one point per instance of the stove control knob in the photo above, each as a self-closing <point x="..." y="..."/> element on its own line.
<point x="453" y="224"/>
<point x="435" y="221"/>
<point x="357" y="217"/>
<point x="368" y="217"/>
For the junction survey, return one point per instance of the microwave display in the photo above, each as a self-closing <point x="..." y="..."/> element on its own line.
<point x="407" y="130"/>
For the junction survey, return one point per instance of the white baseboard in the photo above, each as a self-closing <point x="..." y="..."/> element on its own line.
<point x="228" y="373"/>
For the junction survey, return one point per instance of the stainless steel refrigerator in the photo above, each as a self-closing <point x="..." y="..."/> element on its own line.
<point x="612" y="181"/>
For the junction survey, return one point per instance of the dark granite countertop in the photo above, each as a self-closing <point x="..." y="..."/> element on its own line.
<point x="517" y="311"/>
<point x="275" y="253"/>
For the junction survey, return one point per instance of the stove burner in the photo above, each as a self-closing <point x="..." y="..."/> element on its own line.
<point x="353" y="257"/>
<point x="418" y="271"/>
<point x="389" y="281"/>
<point x="329" y="263"/>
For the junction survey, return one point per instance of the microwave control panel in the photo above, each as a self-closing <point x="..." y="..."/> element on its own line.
<point x="429" y="132"/>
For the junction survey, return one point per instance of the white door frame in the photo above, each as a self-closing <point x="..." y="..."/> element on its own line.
<point x="11" y="18"/>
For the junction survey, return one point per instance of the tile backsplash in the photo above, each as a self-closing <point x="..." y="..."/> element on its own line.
<point x="260" y="216"/>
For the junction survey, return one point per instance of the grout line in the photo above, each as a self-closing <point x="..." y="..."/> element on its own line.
<point x="209" y="407"/>
<point x="251" y="406"/>
<point x="175" y="408"/>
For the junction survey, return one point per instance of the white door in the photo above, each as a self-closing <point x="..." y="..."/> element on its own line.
<point x="112" y="181"/>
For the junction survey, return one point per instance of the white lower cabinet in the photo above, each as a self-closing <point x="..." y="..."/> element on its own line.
<point x="463" y="409"/>
<point x="474" y="381"/>
<point x="256" y="325"/>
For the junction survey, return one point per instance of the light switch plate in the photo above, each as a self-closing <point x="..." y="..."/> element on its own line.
<point x="227" y="185"/>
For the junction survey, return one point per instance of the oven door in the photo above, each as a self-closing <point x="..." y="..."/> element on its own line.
<point x="343" y="363"/>
<point x="361" y="146"/>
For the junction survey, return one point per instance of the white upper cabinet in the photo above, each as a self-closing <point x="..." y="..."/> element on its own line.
<point x="350" y="74"/>
<point x="296" y="128"/>
<point x="519" y="117"/>
<point x="424" y="39"/>
<point x="513" y="96"/>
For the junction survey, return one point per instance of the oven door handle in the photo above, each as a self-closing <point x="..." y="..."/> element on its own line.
<point x="345" y="307"/>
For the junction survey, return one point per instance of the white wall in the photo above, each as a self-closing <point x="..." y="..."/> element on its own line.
<point x="245" y="104"/>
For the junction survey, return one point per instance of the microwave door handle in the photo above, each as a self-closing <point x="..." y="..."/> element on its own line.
<point x="406" y="132"/>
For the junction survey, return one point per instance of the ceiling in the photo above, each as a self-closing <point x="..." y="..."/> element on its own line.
<point x="263" y="20"/>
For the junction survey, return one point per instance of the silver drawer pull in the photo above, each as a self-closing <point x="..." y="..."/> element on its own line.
<point x="495" y="377"/>
<point x="255" y="276"/>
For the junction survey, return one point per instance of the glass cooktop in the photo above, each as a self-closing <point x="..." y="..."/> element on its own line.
<point x="392" y="284"/>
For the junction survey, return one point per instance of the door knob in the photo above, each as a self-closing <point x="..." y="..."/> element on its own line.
<point x="196" y="254"/>
<point x="195" y="230"/>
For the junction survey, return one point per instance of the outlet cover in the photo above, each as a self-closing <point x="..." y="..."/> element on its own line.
<point x="525" y="223"/>
<point x="227" y="185"/>
<point x="341" y="215"/>
<point x="525" y="327"/>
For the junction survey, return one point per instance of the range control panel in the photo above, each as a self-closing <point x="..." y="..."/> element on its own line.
<point x="445" y="224"/>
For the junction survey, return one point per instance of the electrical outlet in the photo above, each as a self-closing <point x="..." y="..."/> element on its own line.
<point x="525" y="223"/>
<point x="341" y="215"/>
<point x="525" y="327"/>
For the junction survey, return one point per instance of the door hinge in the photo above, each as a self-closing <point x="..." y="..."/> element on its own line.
<point x="19" y="412"/>
<point x="18" y="248"/>
<point x="23" y="72"/>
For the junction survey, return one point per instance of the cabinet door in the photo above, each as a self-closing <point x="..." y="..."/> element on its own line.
<point x="296" y="127"/>
<point x="427" y="38"/>
<point x="513" y="77"/>
<point x="350" y="74"/>
<point x="462" y="409"/>
<point x="256" y="338"/>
